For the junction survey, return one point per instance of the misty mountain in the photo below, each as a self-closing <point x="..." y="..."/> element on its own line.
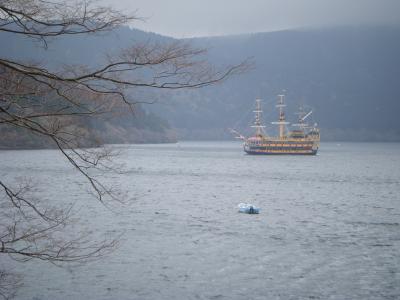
<point x="349" y="76"/>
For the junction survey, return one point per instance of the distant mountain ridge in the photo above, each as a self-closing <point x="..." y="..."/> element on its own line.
<point x="349" y="76"/>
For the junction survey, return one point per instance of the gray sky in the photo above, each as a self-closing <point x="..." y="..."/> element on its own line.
<point x="188" y="18"/>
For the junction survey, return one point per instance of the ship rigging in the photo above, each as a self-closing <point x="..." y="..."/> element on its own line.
<point x="304" y="140"/>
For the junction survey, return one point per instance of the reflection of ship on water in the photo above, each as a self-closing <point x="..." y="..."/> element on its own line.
<point x="303" y="140"/>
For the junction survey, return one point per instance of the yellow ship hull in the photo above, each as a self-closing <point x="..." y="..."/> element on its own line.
<point x="279" y="147"/>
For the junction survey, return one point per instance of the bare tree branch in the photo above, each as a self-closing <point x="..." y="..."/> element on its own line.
<point x="39" y="19"/>
<point x="9" y="284"/>
<point x="51" y="103"/>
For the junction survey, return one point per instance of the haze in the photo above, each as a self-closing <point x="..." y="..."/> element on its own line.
<point x="183" y="18"/>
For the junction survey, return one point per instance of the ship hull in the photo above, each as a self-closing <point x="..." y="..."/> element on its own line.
<point x="281" y="147"/>
<point x="269" y="152"/>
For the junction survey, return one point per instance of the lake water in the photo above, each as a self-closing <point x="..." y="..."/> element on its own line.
<point x="329" y="226"/>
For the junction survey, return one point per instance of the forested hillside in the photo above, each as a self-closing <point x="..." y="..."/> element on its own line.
<point x="349" y="76"/>
<point x="121" y="124"/>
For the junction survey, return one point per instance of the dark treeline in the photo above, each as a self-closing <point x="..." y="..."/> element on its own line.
<point x="119" y="127"/>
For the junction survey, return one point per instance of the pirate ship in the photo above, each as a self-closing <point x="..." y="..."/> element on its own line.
<point x="302" y="140"/>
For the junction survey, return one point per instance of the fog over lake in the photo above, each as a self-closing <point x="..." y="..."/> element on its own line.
<point x="180" y="18"/>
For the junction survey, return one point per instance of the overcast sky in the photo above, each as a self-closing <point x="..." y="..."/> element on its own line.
<point x="188" y="18"/>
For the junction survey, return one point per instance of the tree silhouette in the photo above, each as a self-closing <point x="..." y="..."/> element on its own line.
<point x="45" y="102"/>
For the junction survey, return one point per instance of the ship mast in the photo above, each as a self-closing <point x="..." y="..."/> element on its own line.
<point x="302" y="117"/>
<point x="282" y="121"/>
<point x="257" y="119"/>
